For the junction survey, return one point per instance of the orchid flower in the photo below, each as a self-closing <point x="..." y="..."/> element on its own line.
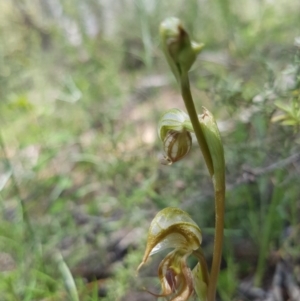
<point x="174" y="228"/>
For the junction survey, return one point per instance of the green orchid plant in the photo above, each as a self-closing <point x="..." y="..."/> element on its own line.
<point x="172" y="227"/>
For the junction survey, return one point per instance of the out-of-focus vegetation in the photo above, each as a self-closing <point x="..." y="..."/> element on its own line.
<point x="82" y="86"/>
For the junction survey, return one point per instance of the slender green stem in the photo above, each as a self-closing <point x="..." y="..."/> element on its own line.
<point x="218" y="243"/>
<point x="190" y="107"/>
<point x="219" y="188"/>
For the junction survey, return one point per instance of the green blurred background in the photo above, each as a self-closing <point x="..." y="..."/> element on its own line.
<point x="82" y="87"/>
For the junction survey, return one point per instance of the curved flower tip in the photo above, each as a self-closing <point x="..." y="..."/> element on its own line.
<point x="174" y="228"/>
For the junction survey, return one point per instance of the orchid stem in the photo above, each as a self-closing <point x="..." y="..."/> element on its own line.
<point x="219" y="186"/>
<point x="218" y="244"/>
<point x="190" y="107"/>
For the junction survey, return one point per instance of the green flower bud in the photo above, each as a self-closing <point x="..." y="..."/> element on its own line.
<point x="174" y="131"/>
<point x="180" y="52"/>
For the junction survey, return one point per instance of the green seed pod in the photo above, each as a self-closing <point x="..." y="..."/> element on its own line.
<point x="176" y="145"/>
<point x="179" y="50"/>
